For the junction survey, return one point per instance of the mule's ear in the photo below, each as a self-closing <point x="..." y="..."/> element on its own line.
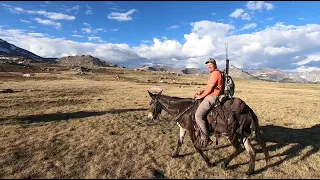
<point x="160" y="92"/>
<point x="151" y="95"/>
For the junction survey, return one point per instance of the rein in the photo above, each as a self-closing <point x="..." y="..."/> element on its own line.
<point x="185" y="110"/>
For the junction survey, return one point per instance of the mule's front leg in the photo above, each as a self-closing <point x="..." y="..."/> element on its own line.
<point x="205" y="158"/>
<point x="180" y="142"/>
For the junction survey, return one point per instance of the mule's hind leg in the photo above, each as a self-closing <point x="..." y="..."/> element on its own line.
<point x="250" y="150"/>
<point x="237" y="150"/>
<point x="263" y="146"/>
<point x="180" y="142"/>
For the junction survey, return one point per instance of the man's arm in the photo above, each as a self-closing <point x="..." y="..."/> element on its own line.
<point x="211" y="83"/>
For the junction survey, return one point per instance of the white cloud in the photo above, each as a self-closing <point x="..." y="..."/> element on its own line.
<point x="86" y="30"/>
<point x="76" y="35"/>
<point x="37" y="34"/>
<point x="237" y="13"/>
<point x="269" y="19"/>
<point x="160" y="50"/>
<point x="301" y="19"/>
<point x="75" y="8"/>
<point x="122" y="16"/>
<point x="259" y="5"/>
<point x="50" y="15"/>
<point x="278" y="50"/>
<point x="213" y="14"/>
<point x="115" y="29"/>
<point x="309" y="58"/>
<point x="6" y="5"/>
<point x="145" y="41"/>
<point x="251" y="48"/>
<point x="173" y="27"/>
<point x="196" y="46"/>
<point x="278" y="46"/>
<point x="90" y="30"/>
<point x="249" y="26"/>
<point x="88" y="12"/>
<point x="251" y="6"/>
<point x="95" y="38"/>
<point x="246" y="16"/>
<point x="25" y="21"/>
<point x="48" y="22"/>
<point x="86" y="24"/>
<point x="240" y="13"/>
<point x="213" y="29"/>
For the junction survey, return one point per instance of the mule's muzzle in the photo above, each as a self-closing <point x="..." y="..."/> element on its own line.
<point x="150" y="116"/>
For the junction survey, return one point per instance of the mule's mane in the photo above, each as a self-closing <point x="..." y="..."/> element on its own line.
<point x="177" y="99"/>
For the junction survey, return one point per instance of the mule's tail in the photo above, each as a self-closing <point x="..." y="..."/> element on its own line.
<point x="259" y="136"/>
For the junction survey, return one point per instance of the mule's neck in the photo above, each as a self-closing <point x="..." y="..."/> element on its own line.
<point x="174" y="105"/>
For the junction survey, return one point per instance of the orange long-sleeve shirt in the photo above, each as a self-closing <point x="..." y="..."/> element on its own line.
<point x="217" y="81"/>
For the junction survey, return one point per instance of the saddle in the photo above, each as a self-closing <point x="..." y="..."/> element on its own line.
<point x="225" y="117"/>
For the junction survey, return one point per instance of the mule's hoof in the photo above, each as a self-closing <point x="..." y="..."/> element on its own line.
<point x="224" y="166"/>
<point x="250" y="172"/>
<point x="175" y="156"/>
<point x="211" y="164"/>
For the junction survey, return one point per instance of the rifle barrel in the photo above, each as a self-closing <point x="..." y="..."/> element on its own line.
<point x="227" y="66"/>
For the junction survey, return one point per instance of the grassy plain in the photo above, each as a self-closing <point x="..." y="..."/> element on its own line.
<point x="63" y="125"/>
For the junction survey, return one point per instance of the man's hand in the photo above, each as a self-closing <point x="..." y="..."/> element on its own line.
<point x="200" y="92"/>
<point x="198" y="97"/>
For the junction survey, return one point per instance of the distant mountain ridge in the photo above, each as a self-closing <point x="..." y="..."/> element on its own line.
<point x="84" y="60"/>
<point x="233" y="71"/>
<point x="278" y="76"/>
<point x="7" y="49"/>
<point x="11" y="53"/>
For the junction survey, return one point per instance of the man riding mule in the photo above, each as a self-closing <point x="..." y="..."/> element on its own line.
<point x="231" y="117"/>
<point x="238" y="129"/>
<point x="214" y="89"/>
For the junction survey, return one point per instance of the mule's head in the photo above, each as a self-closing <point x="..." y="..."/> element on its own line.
<point x="155" y="106"/>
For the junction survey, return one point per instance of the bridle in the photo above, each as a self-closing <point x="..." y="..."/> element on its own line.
<point x="156" y="108"/>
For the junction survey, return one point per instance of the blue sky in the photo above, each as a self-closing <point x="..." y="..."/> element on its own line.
<point x="268" y="34"/>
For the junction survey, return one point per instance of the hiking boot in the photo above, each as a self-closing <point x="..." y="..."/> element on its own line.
<point x="207" y="142"/>
<point x="201" y="144"/>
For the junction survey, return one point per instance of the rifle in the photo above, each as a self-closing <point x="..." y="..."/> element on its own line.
<point x="227" y="68"/>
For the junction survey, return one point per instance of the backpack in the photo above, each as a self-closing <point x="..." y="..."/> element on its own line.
<point x="229" y="85"/>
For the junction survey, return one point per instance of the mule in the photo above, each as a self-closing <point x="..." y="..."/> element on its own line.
<point x="237" y="124"/>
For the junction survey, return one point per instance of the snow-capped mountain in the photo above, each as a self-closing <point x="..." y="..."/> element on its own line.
<point x="277" y="75"/>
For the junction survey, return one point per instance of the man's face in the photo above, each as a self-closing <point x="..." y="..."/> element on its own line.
<point x="211" y="67"/>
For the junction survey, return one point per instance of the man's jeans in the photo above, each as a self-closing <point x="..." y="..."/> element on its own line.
<point x="202" y="110"/>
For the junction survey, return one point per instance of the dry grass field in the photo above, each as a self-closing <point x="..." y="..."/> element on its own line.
<point x="62" y="125"/>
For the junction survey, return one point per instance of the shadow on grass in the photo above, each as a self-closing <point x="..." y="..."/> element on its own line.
<point x="295" y="141"/>
<point x="61" y="116"/>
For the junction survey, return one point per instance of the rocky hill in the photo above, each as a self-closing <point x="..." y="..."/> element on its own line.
<point x="233" y="71"/>
<point x="156" y="67"/>
<point x="84" y="60"/>
<point x="312" y="76"/>
<point x="239" y="73"/>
